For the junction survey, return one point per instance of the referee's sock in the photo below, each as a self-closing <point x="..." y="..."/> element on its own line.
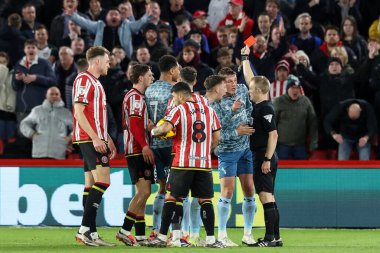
<point x="208" y="218"/>
<point x="248" y="209"/>
<point x="168" y="213"/>
<point x="92" y="204"/>
<point x="177" y="219"/>
<point x="85" y="195"/>
<point x="277" y="223"/>
<point x="158" y="205"/>
<point x="186" y="216"/>
<point x="270" y="218"/>
<point x="195" y="218"/>
<point x="140" y="226"/>
<point x="223" y="211"/>
<point x="129" y="221"/>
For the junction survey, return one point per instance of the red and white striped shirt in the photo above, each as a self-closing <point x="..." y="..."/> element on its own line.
<point x="135" y="122"/>
<point x="278" y="88"/>
<point x="89" y="91"/>
<point x="195" y="96"/>
<point x="195" y="123"/>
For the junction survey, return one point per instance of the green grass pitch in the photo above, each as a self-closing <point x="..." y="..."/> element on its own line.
<point x="59" y="239"/>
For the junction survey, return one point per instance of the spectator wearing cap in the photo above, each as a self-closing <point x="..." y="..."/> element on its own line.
<point x="200" y="22"/>
<point x="352" y="124"/>
<point x="114" y="31"/>
<point x="189" y="57"/>
<point x="235" y="16"/>
<point x="304" y="40"/>
<point x="152" y="42"/>
<point x="296" y="122"/>
<point x="279" y="86"/>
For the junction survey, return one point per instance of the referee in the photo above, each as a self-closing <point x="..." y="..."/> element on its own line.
<point x="263" y="145"/>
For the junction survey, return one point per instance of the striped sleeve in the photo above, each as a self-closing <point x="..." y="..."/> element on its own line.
<point x="135" y="105"/>
<point x="215" y="123"/>
<point x="83" y="90"/>
<point x="174" y="116"/>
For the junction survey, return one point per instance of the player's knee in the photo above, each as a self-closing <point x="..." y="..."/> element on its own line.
<point x="228" y="192"/>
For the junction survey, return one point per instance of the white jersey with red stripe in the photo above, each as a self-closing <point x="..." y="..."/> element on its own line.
<point x="134" y="105"/>
<point x="194" y="123"/>
<point x="195" y="96"/>
<point x="89" y="91"/>
<point x="278" y="88"/>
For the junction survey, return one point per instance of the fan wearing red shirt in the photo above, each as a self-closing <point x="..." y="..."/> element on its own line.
<point x="235" y="16"/>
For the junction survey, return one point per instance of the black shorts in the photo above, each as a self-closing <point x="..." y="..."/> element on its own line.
<point x="200" y="183"/>
<point x="93" y="159"/>
<point x="264" y="182"/>
<point x="138" y="168"/>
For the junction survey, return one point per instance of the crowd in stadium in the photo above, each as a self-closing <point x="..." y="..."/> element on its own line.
<point x="321" y="57"/>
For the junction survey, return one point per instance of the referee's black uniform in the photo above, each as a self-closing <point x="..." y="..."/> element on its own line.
<point x="263" y="123"/>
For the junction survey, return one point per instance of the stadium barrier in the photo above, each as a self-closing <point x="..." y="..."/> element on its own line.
<point x="309" y="194"/>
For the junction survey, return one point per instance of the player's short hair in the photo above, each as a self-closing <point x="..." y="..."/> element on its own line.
<point x="181" y="87"/>
<point x="188" y="74"/>
<point x="137" y="71"/>
<point x="226" y="71"/>
<point x="212" y="81"/>
<point x="262" y="83"/>
<point x="81" y="63"/>
<point x="30" y="42"/>
<point x="96" y="51"/>
<point x="166" y="63"/>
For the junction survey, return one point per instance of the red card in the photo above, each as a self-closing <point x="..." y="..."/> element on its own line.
<point x="250" y="41"/>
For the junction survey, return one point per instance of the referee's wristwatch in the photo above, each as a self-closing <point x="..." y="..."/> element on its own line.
<point x="266" y="159"/>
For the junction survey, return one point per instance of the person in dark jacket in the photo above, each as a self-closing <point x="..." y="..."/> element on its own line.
<point x="153" y="43"/>
<point x="32" y="77"/>
<point x="352" y="124"/>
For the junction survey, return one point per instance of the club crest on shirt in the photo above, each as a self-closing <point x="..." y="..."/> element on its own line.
<point x="268" y="117"/>
<point x="82" y="90"/>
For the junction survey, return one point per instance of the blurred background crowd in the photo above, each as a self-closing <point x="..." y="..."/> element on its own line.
<point x="321" y="56"/>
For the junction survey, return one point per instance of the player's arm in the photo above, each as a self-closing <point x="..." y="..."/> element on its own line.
<point x="215" y="140"/>
<point x="247" y="71"/>
<point x="162" y="129"/>
<point x="99" y="145"/>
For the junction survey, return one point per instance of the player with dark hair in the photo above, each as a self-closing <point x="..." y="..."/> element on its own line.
<point x="263" y="144"/>
<point x="197" y="128"/>
<point x="90" y="132"/>
<point x="139" y="155"/>
<point x="157" y="97"/>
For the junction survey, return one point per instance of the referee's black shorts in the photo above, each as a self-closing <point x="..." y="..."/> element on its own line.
<point x="92" y="158"/>
<point x="264" y="182"/>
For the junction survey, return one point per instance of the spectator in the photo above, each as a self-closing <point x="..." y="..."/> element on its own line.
<point x="235" y="16"/>
<point x="352" y="123"/>
<point x="304" y="40"/>
<point x="279" y="86"/>
<point x="296" y="123"/>
<point x="96" y="12"/>
<point x="155" y="9"/>
<point x="78" y="47"/>
<point x="114" y="74"/>
<point x="152" y="42"/>
<point x="182" y="24"/>
<point x="45" y="50"/>
<point x="272" y="7"/>
<point x="217" y="11"/>
<point x="31" y="79"/>
<point x="222" y="34"/>
<point x="351" y="38"/>
<point x="224" y="58"/>
<point x="7" y="103"/>
<point x="176" y="8"/>
<point x="342" y="9"/>
<point x="204" y="49"/>
<point x="114" y="31"/>
<point x="166" y="35"/>
<point x="121" y="57"/>
<point x="263" y="25"/>
<point x="143" y="57"/>
<point x="29" y="24"/>
<point x="200" y="21"/>
<point x="189" y="57"/>
<point x="11" y="38"/>
<point x="76" y="32"/>
<point x="63" y="68"/>
<point x="341" y="53"/>
<point x="49" y="126"/>
<point x="82" y="66"/>
<point x="59" y="28"/>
